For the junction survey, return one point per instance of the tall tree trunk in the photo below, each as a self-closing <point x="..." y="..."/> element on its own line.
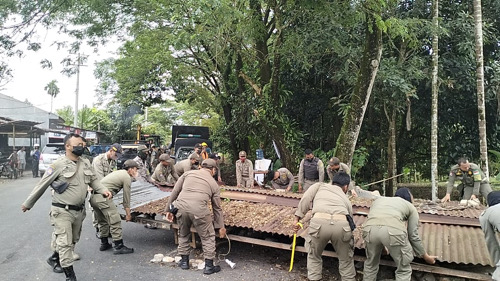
<point x="346" y="143"/>
<point x="478" y="32"/>
<point x="434" y="106"/>
<point x="391" y="153"/>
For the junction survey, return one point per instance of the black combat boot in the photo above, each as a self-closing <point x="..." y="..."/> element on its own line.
<point x="210" y="267"/>
<point x="184" y="262"/>
<point x="121" y="249"/>
<point x="53" y="261"/>
<point x="105" y="244"/>
<point x="70" y="273"/>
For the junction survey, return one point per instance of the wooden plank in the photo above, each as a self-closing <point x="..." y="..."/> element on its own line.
<point x="415" y="266"/>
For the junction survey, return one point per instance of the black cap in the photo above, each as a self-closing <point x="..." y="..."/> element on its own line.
<point x="308" y="151"/>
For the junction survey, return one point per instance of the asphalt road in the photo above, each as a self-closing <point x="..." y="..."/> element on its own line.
<point x="25" y="246"/>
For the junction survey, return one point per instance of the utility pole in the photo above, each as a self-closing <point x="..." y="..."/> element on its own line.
<point x="78" y="64"/>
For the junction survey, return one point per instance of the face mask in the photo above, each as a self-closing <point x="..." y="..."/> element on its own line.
<point x="196" y="163"/>
<point x="77" y="150"/>
<point x="143" y="155"/>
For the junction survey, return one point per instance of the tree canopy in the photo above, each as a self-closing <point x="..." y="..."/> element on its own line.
<point x="350" y="78"/>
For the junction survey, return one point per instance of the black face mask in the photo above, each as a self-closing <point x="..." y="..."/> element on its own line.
<point x="143" y="155"/>
<point x="77" y="150"/>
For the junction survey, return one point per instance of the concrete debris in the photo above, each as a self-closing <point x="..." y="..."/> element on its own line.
<point x="201" y="265"/>
<point x="177" y="259"/>
<point x="157" y="258"/>
<point x="168" y="259"/>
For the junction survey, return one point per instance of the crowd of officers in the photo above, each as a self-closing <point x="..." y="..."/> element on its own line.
<point x="391" y="227"/>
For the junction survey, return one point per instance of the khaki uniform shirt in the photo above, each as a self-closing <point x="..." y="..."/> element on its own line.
<point x="103" y="166"/>
<point x="321" y="171"/>
<point x="243" y="170"/>
<point x="471" y="178"/>
<point x="343" y="167"/>
<point x="117" y="181"/>
<point x="192" y="193"/>
<point x="398" y="213"/>
<point x="285" y="178"/>
<point x="161" y="172"/>
<point x="143" y="169"/>
<point x="325" y="198"/>
<point x="184" y="166"/>
<point x="79" y="175"/>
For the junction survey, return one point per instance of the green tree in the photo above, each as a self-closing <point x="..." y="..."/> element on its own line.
<point x="67" y="114"/>
<point x="52" y="90"/>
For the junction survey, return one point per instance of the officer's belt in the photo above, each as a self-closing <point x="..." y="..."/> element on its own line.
<point x="312" y="179"/>
<point x="68" y="207"/>
<point x="327" y="216"/>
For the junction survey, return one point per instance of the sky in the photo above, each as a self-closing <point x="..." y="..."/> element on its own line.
<point x="29" y="78"/>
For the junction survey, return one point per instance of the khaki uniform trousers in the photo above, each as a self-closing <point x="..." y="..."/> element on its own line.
<point x="279" y="186"/>
<point x="336" y="231"/>
<point x="67" y="230"/>
<point x="490" y="224"/>
<point x="376" y="238"/>
<point x="107" y="216"/>
<point x="307" y="184"/>
<point x="205" y="229"/>
<point x="484" y="190"/>
<point x="246" y="182"/>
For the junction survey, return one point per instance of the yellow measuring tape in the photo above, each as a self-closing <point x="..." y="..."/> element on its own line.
<point x="293" y="246"/>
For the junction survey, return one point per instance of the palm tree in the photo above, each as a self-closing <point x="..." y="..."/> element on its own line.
<point x="478" y="32"/>
<point x="52" y="90"/>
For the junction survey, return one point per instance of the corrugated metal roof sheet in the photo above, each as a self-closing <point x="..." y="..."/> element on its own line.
<point x="142" y="193"/>
<point x="451" y="243"/>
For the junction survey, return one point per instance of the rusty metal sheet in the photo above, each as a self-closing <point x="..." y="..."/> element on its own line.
<point x="442" y="235"/>
<point x="451" y="243"/>
<point x="141" y="194"/>
<point x="262" y="191"/>
<point x="451" y="209"/>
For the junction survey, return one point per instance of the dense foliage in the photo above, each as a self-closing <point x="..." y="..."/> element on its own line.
<point x="264" y="71"/>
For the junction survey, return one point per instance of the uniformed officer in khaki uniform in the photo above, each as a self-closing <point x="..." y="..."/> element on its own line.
<point x="490" y="224"/>
<point x="104" y="164"/>
<point x="473" y="180"/>
<point x="311" y="171"/>
<point x="393" y="223"/>
<point x="281" y="179"/>
<point x="335" y="166"/>
<point x="164" y="169"/>
<point x="329" y="223"/>
<point x="191" y="196"/>
<point x="106" y="211"/>
<point x="192" y="163"/>
<point x="244" y="171"/>
<point x="143" y="164"/>
<point x="69" y="176"/>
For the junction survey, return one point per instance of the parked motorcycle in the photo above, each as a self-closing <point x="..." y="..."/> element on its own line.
<point x="7" y="171"/>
